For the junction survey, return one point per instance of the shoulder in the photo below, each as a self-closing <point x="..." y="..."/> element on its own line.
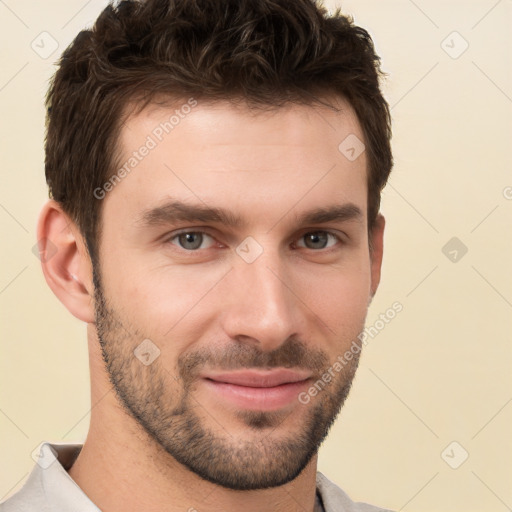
<point x="29" y="498"/>
<point x="336" y="500"/>
<point x="49" y="488"/>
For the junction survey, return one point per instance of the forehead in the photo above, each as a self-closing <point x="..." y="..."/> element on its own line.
<point x="234" y="122"/>
<point x="225" y="153"/>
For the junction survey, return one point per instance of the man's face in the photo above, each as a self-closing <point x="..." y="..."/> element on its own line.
<point x="240" y="318"/>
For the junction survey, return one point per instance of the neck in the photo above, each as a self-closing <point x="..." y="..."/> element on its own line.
<point x="146" y="478"/>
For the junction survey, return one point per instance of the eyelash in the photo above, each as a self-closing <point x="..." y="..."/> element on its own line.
<point x="168" y="240"/>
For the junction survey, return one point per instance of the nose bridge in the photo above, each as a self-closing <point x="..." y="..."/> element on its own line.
<point x="263" y="307"/>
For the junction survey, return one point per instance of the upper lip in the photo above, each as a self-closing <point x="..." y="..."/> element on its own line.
<point x="259" y="378"/>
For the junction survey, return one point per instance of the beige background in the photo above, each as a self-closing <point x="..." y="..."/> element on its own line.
<point x="439" y="372"/>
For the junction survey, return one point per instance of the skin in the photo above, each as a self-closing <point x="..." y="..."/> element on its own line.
<point x="293" y="303"/>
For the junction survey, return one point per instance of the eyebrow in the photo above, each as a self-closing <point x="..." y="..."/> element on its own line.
<point x="178" y="211"/>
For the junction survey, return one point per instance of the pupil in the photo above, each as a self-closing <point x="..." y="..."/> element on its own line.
<point x="317" y="238"/>
<point x="190" y="240"/>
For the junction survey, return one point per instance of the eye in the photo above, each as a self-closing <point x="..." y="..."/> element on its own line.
<point x="191" y="240"/>
<point x="318" y="240"/>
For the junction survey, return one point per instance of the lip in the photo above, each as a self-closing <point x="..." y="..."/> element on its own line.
<point x="258" y="389"/>
<point x="259" y="378"/>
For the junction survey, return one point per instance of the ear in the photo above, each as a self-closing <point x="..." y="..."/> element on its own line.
<point x="65" y="261"/>
<point x="376" y="252"/>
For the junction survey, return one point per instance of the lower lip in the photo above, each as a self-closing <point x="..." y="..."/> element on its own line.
<point x="258" y="399"/>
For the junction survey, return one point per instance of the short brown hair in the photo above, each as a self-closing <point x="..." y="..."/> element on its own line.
<point x="266" y="52"/>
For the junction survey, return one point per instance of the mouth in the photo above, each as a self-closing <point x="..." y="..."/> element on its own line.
<point x="258" y="390"/>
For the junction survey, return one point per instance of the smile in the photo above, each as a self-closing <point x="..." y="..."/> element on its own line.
<point x="258" y="390"/>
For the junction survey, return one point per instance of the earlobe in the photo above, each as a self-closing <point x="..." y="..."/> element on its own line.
<point x="376" y="253"/>
<point x="65" y="261"/>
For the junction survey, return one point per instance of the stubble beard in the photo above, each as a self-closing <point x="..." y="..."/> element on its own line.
<point x="256" y="455"/>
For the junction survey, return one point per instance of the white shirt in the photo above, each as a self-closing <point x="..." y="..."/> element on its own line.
<point x="49" y="488"/>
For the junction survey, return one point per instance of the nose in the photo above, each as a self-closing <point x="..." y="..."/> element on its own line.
<point x="262" y="308"/>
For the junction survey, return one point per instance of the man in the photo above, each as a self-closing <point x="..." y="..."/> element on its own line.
<point x="215" y="170"/>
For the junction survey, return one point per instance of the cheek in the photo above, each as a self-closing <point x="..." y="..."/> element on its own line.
<point x="340" y="297"/>
<point x="166" y="302"/>
<point x="175" y="305"/>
